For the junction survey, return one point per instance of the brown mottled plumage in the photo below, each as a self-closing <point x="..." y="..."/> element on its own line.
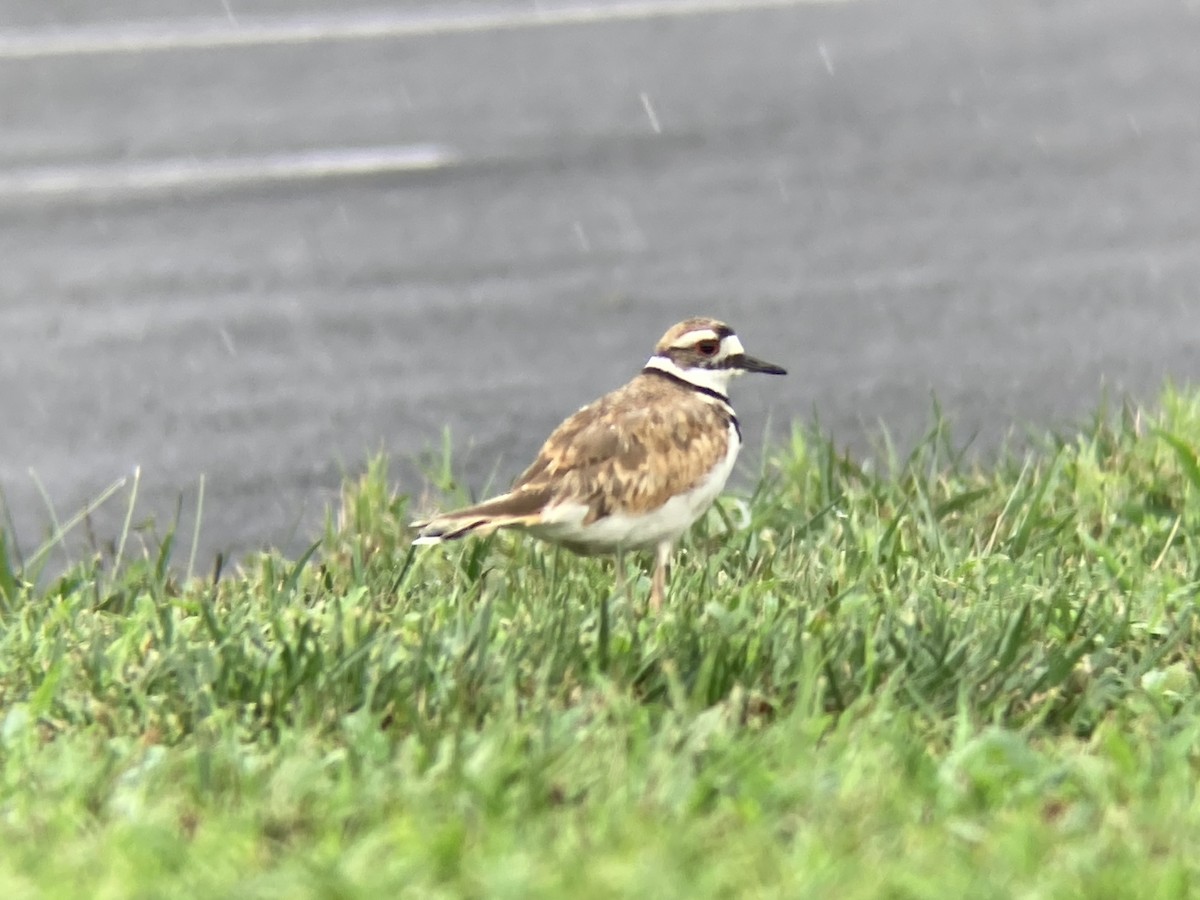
<point x="637" y="467"/>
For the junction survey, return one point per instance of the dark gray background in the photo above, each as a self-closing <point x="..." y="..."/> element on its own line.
<point x="992" y="202"/>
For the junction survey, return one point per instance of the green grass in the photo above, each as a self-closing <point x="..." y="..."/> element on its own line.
<point x="931" y="679"/>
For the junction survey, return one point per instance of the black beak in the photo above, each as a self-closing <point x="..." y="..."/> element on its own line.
<point x="750" y="364"/>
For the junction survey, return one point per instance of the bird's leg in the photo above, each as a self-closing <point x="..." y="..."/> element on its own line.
<point x="658" y="587"/>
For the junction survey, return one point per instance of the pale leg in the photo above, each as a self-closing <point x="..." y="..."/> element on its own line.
<point x="659" y="585"/>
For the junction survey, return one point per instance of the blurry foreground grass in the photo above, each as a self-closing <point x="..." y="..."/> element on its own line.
<point x="933" y="680"/>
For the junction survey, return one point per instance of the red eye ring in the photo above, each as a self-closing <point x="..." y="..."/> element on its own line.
<point x="708" y="348"/>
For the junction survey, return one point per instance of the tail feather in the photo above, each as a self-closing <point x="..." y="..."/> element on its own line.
<point x="451" y="528"/>
<point x="517" y="509"/>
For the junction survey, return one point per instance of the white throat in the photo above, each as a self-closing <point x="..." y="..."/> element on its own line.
<point x="711" y="379"/>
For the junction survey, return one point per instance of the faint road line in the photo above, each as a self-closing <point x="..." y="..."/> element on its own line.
<point x="149" y="37"/>
<point x="159" y="176"/>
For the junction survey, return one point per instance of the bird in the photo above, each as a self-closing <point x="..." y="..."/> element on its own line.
<point x="635" y="469"/>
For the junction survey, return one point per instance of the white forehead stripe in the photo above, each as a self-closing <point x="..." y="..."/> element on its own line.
<point x="692" y="337"/>
<point x="732" y="346"/>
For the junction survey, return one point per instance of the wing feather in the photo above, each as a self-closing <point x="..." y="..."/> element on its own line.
<point x="624" y="452"/>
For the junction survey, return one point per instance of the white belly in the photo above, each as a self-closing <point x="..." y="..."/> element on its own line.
<point x="641" y="530"/>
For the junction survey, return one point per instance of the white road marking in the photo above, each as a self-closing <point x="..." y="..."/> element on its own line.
<point x="148" y="37"/>
<point x="189" y="173"/>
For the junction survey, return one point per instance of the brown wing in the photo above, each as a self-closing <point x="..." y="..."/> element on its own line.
<point x="630" y="451"/>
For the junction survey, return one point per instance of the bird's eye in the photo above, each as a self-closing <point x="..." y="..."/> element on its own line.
<point x="708" y="348"/>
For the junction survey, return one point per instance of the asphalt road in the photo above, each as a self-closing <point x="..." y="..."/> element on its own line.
<point x="992" y="202"/>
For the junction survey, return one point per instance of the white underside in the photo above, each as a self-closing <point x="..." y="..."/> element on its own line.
<point x="621" y="531"/>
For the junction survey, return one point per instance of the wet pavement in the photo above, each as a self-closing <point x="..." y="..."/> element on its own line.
<point x="990" y="203"/>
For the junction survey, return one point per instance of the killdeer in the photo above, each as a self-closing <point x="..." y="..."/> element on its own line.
<point x="634" y="469"/>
